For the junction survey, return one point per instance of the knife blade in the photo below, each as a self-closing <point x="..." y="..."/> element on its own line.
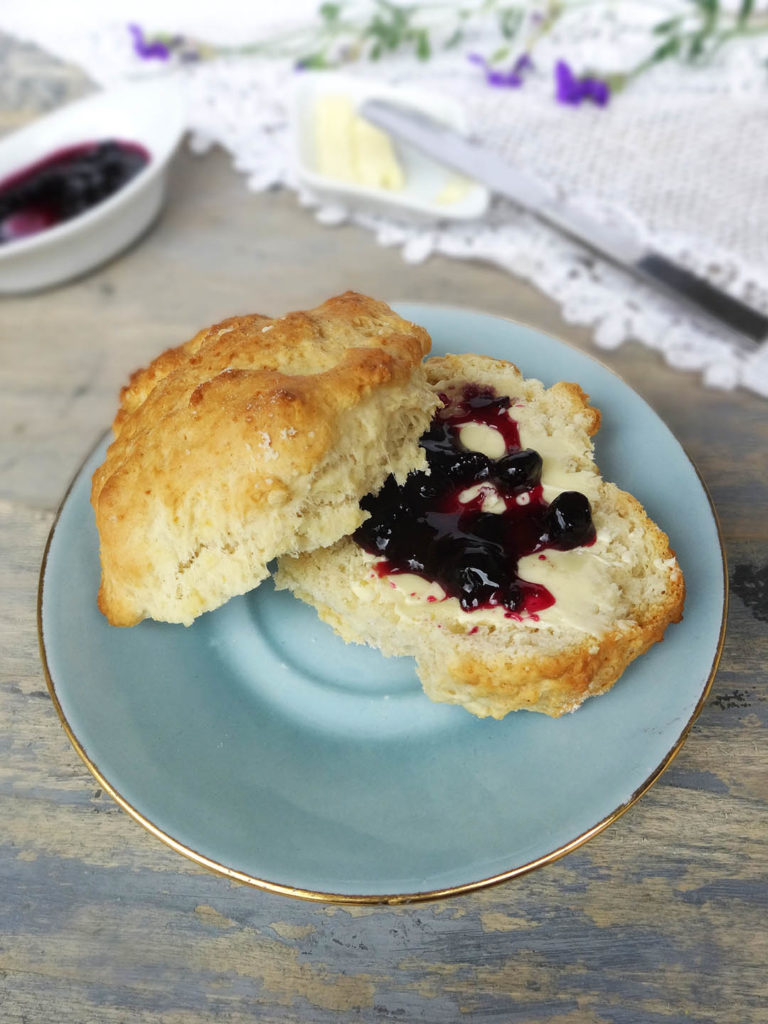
<point x="744" y="325"/>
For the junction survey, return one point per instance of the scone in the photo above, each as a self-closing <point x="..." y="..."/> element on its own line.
<point x="511" y="571"/>
<point x="256" y="438"/>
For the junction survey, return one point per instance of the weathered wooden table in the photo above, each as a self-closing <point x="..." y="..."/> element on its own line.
<point x="662" y="918"/>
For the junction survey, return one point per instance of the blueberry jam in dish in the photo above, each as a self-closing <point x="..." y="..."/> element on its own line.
<point x="439" y="524"/>
<point x="66" y="184"/>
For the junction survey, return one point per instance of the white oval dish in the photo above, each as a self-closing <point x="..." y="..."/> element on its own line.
<point x="149" y="112"/>
<point x="425" y="179"/>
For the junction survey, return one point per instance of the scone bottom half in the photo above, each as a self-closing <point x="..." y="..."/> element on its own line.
<point x="257" y="438"/>
<point x="511" y="571"/>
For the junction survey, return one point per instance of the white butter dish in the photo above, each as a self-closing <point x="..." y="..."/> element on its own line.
<point x="429" y="189"/>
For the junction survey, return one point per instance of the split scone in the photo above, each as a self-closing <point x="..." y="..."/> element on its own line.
<point x="256" y="438"/>
<point x="510" y="570"/>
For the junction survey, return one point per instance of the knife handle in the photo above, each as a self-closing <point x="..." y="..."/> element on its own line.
<point x="709" y="300"/>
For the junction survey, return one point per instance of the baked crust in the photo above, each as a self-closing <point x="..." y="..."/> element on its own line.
<point x="494" y="664"/>
<point x="256" y="437"/>
<point x="494" y="682"/>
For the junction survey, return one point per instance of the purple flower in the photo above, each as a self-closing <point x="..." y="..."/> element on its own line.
<point x="572" y="90"/>
<point x="146" y="48"/>
<point x="511" y="79"/>
<point x="164" y="47"/>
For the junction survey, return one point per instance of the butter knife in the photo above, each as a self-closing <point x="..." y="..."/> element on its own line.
<point x="743" y="325"/>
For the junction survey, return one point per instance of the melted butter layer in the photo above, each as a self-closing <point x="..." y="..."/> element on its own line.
<point x="416" y="589"/>
<point x="560" y="455"/>
<point x="586" y="598"/>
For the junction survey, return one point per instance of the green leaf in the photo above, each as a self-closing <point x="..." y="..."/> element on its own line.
<point x="662" y="27"/>
<point x="501" y="54"/>
<point x="330" y="12"/>
<point x="315" y="61"/>
<point x="386" y="35"/>
<point x="509" y="21"/>
<point x="423" y="48"/>
<point x="454" y="40"/>
<point x="667" y="49"/>
<point x="696" y="45"/>
<point x="745" y="11"/>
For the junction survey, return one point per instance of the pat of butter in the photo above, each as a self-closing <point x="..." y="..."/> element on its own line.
<point x="453" y="191"/>
<point x="479" y="437"/>
<point x="350" y="149"/>
<point x="492" y="500"/>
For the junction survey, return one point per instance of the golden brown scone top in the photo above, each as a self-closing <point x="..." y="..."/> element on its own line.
<point x="304" y="343"/>
<point x="234" y="421"/>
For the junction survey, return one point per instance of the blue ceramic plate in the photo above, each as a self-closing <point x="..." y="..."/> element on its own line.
<point x="260" y="745"/>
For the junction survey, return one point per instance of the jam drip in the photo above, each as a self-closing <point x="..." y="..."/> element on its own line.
<point x="432" y="527"/>
<point x="66" y="184"/>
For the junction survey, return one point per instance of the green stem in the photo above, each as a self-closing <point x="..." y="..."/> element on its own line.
<point x="694" y="29"/>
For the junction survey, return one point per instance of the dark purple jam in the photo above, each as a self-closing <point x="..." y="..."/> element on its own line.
<point x="66" y="184"/>
<point x="422" y="527"/>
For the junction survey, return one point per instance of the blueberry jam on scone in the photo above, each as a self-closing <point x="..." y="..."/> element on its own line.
<point x="467" y="521"/>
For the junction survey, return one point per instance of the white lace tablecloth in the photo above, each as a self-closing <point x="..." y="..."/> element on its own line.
<point x="681" y="156"/>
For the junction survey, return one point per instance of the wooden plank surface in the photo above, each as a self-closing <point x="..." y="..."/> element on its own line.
<point x="659" y="919"/>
